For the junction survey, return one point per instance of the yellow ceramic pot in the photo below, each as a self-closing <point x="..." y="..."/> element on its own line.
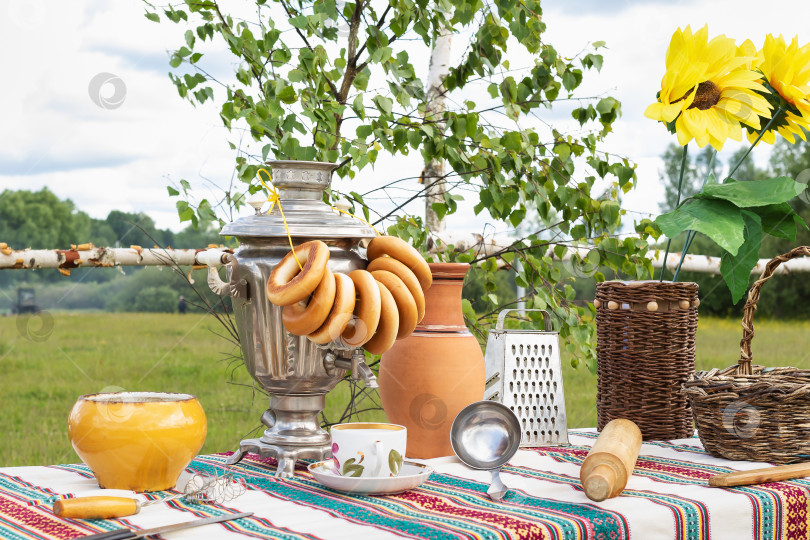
<point x="139" y="441"/>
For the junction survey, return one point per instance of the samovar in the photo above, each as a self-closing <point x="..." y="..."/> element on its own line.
<point x="296" y="372"/>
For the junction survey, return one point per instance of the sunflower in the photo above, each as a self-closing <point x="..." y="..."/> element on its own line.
<point x="786" y="68"/>
<point x="708" y="90"/>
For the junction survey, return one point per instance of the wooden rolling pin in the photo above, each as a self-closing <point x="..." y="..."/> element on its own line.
<point x="609" y="464"/>
<point x="761" y="476"/>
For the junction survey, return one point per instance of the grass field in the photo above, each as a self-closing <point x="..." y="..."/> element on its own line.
<point x="45" y="366"/>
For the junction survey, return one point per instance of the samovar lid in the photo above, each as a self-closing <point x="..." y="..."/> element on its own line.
<point x="300" y="185"/>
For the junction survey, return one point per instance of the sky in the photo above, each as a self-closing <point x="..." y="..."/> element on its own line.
<point x="90" y="113"/>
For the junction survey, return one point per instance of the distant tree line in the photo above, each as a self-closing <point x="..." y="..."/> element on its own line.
<point x="40" y="220"/>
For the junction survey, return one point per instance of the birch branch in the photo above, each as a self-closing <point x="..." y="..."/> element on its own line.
<point x="87" y="255"/>
<point x="488" y="246"/>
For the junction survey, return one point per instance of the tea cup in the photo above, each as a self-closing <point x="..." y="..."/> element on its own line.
<point x="368" y="449"/>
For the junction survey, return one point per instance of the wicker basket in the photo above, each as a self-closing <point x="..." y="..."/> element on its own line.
<point x="645" y="352"/>
<point x="747" y="412"/>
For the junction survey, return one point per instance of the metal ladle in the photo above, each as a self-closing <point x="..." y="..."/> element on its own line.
<point x="485" y="435"/>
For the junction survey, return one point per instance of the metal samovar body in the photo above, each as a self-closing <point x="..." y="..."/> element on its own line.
<point x="296" y="372"/>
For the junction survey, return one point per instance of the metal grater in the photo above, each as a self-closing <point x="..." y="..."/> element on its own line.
<point x="524" y="373"/>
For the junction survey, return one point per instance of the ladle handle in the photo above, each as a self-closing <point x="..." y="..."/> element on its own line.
<point x="497" y="489"/>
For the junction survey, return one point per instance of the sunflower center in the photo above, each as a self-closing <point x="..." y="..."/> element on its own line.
<point x="706" y="97"/>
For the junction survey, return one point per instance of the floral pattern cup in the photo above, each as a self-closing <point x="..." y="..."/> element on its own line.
<point x="368" y="449"/>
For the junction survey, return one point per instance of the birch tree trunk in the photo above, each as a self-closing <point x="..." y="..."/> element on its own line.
<point x="433" y="173"/>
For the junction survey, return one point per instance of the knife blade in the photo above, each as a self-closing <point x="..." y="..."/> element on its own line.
<point x="126" y="534"/>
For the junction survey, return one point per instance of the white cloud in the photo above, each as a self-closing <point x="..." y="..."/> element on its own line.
<point x="54" y="135"/>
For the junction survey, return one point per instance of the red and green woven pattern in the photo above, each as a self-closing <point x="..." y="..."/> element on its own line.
<point x="666" y="498"/>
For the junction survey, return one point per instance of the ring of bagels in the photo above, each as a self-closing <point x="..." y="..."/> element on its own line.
<point x="368" y="308"/>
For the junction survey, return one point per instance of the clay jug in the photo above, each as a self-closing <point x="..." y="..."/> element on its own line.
<point x="427" y="378"/>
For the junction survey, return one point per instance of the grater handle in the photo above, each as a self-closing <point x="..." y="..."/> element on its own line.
<point x="502" y="318"/>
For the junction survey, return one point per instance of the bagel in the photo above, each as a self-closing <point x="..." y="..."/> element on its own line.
<point x="304" y="318"/>
<point x="406" y="305"/>
<point x="341" y="312"/>
<point x="407" y="277"/>
<point x="366" y="310"/>
<point x="288" y="283"/>
<point x="400" y="250"/>
<point x="389" y="323"/>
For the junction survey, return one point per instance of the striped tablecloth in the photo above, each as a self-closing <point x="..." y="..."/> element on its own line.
<point x="667" y="497"/>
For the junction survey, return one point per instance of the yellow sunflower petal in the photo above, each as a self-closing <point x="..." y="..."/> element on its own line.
<point x="682" y="131"/>
<point x="787" y="69"/>
<point x="710" y="87"/>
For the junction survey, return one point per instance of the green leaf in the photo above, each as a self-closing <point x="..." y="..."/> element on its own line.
<point x="440" y="209"/>
<point x="569" y="80"/>
<point x="287" y="95"/>
<point x="467" y="309"/>
<point x="154" y="17"/>
<point x="736" y="270"/>
<point x="358" y="108"/>
<point x="512" y="141"/>
<point x="593" y="60"/>
<point x="383" y="103"/>
<point x="719" y="220"/>
<point x="778" y="220"/>
<point x="299" y="22"/>
<point x="172" y="192"/>
<point x="757" y="193"/>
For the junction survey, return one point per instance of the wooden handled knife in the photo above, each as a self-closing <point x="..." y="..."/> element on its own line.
<point x="761" y="476"/>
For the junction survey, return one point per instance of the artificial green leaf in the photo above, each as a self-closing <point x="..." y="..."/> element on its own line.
<point x="719" y="220"/>
<point x="778" y="220"/>
<point x="736" y="270"/>
<point x="758" y="193"/>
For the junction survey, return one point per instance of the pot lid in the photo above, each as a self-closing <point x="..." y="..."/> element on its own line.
<point x="300" y="185"/>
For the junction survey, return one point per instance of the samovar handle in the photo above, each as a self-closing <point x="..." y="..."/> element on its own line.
<point x="236" y="287"/>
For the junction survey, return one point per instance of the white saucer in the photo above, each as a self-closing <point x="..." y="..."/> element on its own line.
<point x="412" y="475"/>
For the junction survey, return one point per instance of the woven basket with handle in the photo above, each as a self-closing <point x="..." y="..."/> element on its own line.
<point x="754" y="413"/>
